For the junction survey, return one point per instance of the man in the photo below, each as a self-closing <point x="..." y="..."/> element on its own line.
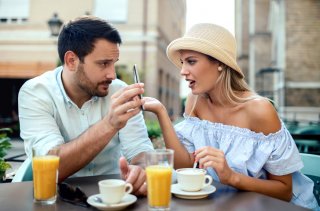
<point x="82" y="110"/>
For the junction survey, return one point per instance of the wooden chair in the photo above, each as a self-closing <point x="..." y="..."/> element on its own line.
<point x="311" y="169"/>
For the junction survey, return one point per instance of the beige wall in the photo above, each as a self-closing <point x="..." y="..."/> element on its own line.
<point x="27" y="49"/>
<point x="42" y="10"/>
<point x="303" y="53"/>
<point x="284" y="35"/>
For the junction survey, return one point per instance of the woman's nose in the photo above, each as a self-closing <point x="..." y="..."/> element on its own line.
<point x="183" y="71"/>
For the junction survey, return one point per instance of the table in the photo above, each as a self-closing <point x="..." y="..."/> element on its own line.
<point x="19" y="196"/>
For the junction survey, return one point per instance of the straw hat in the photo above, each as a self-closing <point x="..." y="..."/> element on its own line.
<point x="209" y="39"/>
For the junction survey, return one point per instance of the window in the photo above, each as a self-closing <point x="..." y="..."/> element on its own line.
<point x="14" y="11"/>
<point x="111" y="10"/>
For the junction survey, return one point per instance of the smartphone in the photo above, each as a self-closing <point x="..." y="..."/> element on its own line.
<point x="136" y="78"/>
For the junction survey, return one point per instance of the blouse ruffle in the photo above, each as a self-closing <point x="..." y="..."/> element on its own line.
<point x="250" y="153"/>
<point x="246" y="151"/>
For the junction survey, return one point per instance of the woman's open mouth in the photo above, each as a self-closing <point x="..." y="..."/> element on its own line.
<point x="191" y="83"/>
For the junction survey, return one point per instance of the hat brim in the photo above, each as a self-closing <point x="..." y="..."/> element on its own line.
<point x="202" y="46"/>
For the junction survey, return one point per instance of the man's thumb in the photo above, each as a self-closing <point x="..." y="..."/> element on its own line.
<point x="124" y="167"/>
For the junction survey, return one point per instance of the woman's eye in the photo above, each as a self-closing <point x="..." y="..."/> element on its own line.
<point x="191" y="62"/>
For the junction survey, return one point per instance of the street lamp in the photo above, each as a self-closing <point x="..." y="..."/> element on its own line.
<point x="55" y="24"/>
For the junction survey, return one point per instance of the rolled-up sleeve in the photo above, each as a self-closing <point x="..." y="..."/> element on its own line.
<point x="183" y="130"/>
<point x="134" y="137"/>
<point x="285" y="157"/>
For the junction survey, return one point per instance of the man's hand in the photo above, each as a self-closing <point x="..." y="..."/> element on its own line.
<point x="125" y="104"/>
<point x="135" y="175"/>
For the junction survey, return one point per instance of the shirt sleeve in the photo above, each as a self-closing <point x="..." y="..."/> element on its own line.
<point x="285" y="157"/>
<point x="184" y="130"/>
<point x="36" y="114"/>
<point x="134" y="137"/>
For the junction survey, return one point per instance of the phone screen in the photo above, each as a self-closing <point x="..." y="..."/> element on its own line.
<point x="136" y="78"/>
<point x="135" y="74"/>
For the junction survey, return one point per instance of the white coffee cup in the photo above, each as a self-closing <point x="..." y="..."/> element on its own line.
<point x="193" y="179"/>
<point x="113" y="190"/>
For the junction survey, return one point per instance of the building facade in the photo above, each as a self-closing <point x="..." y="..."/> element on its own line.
<point x="146" y="28"/>
<point x="279" y="51"/>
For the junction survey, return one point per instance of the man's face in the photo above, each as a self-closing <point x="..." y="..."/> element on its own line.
<point x="96" y="73"/>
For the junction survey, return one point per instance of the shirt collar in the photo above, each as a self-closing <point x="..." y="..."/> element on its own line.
<point x="61" y="87"/>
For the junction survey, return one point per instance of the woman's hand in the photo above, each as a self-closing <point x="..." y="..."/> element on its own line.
<point x="214" y="158"/>
<point x="152" y="105"/>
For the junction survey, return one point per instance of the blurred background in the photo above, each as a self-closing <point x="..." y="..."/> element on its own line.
<point x="278" y="51"/>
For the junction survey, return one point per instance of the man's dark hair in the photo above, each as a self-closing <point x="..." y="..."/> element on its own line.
<point x="79" y="36"/>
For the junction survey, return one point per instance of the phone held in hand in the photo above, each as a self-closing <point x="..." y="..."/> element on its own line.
<point x="136" y="78"/>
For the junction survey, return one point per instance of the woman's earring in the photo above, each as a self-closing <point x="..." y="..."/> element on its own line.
<point x="219" y="68"/>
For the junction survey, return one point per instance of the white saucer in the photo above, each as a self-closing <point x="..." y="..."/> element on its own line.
<point x="192" y="195"/>
<point x="126" y="201"/>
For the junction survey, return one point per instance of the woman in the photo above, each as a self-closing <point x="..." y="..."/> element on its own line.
<point x="230" y="130"/>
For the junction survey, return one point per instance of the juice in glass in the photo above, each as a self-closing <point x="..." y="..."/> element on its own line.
<point x="45" y="177"/>
<point x="159" y="184"/>
<point x="159" y="164"/>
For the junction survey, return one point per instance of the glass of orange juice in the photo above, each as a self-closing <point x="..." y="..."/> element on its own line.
<point x="159" y="164"/>
<point x="45" y="178"/>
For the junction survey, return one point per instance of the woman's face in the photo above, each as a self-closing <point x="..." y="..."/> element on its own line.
<point x="200" y="72"/>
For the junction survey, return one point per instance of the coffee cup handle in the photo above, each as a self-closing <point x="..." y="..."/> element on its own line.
<point x="207" y="181"/>
<point x="128" y="188"/>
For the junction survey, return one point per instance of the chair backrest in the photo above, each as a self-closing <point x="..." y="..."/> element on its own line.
<point x="311" y="164"/>
<point x="24" y="173"/>
<point x="311" y="169"/>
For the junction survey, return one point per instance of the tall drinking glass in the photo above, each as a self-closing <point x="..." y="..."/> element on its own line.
<point x="45" y="177"/>
<point x="159" y="164"/>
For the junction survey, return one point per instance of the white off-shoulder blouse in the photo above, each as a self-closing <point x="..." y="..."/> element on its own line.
<point x="250" y="153"/>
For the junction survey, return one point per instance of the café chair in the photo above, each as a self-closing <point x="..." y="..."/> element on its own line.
<point x="312" y="170"/>
<point x="24" y="172"/>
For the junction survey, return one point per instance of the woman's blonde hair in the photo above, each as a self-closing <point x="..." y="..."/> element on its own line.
<point x="230" y="84"/>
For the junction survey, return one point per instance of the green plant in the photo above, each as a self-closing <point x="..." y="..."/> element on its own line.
<point x="154" y="130"/>
<point x="5" y="145"/>
<point x="155" y="134"/>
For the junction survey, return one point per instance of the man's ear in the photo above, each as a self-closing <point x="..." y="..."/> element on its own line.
<point x="71" y="60"/>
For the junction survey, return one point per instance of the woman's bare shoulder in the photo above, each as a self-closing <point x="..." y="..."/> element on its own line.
<point x="262" y="116"/>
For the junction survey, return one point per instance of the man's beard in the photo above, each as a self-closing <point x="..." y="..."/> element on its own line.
<point x="87" y="86"/>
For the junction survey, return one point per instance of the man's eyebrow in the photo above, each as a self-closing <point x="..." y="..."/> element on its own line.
<point x="103" y="60"/>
